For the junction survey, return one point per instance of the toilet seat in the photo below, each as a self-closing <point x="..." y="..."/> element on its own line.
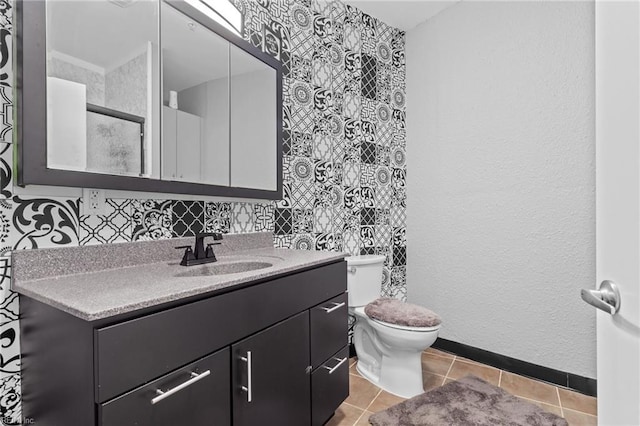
<point x="406" y="327"/>
<point x="403" y="315"/>
<point x="360" y="310"/>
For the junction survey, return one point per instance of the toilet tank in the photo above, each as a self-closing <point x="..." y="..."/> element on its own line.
<point x="364" y="278"/>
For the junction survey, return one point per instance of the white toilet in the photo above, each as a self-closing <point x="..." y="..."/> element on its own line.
<point x="389" y="352"/>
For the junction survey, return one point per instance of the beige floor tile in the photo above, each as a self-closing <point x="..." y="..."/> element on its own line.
<point x="365" y="398"/>
<point x="528" y="388"/>
<point x="383" y="401"/>
<point x="364" y="419"/>
<point x="353" y="360"/>
<point x="578" y="402"/>
<point x="361" y="392"/>
<point x="435" y="364"/>
<point x="547" y="407"/>
<point x="352" y="370"/>
<point x="345" y="415"/>
<point x="431" y="381"/>
<point x="462" y="368"/>
<point x="438" y="352"/>
<point x="576" y="418"/>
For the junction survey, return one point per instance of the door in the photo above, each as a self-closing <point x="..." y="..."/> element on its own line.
<point x="271" y="375"/>
<point x="617" y="208"/>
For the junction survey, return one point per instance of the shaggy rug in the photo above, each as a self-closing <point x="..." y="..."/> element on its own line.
<point x="468" y="401"/>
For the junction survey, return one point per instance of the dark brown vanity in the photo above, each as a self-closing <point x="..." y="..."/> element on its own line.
<point x="267" y="351"/>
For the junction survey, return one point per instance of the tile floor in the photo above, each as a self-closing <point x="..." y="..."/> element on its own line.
<point x="440" y="367"/>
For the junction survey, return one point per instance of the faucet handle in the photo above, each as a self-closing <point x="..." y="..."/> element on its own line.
<point x="188" y="254"/>
<point x="209" y="254"/>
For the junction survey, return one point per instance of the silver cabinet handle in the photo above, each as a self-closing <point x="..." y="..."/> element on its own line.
<point x="166" y="394"/>
<point x="335" y="306"/>
<point x="332" y="369"/>
<point x="352" y="270"/>
<point x="247" y="388"/>
<point x="606" y="298"/>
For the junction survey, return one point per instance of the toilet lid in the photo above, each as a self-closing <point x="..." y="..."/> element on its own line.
<point x="397" y="312"/>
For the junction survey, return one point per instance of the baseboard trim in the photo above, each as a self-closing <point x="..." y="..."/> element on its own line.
<point x="572" y="381"/>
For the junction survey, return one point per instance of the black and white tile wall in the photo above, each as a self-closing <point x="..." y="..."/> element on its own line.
<point x="344" y="160"/>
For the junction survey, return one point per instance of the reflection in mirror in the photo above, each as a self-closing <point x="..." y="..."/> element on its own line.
<point x="195" y="139"/>
<point x="102" y="73"/>
<point x="253" y="150"/>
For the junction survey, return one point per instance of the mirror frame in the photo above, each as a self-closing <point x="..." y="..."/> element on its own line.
<point x="31" y="102"/>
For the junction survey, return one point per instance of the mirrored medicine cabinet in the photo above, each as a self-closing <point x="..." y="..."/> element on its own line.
<point x="145" y="95"/>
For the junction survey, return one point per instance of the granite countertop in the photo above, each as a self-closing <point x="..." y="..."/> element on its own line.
<point x="111" y="289"/>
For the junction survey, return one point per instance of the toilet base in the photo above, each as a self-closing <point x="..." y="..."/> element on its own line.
<point x="400" y="375"/>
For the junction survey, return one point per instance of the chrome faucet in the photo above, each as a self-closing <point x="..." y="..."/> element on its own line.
<point x="199" y="255"/>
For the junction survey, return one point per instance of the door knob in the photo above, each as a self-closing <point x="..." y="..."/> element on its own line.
<point x="606" y="298"/>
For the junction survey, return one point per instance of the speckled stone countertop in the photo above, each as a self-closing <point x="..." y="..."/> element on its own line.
<point x="98" y="282"/>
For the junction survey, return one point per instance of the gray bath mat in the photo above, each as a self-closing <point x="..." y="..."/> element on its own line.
<point x="468" y="401"/>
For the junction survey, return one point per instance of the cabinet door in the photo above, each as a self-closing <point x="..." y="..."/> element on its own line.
<point x="271" y="375"/>
<point x="188" y="147"/>
<point x="195" y="395"/>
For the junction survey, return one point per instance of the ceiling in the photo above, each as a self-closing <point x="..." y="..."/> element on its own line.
<point x="403" y="14"/>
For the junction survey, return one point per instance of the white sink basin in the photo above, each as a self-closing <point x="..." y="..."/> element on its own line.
<point x="222" y="268"/>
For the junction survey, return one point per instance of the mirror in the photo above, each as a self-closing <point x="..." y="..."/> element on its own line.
<point x="102" y="83"/>
<point x="195" y="112"/>
<point x="146" y="95"/>
<point x="253" y="88"/>
<point x="211" y="89"/>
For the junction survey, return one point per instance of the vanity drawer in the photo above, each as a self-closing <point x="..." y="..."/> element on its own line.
<point x="329" y="328"/>
<point x="197" y="394"/>
<point x="329" y="386"/>
<point x="137" y="351"/>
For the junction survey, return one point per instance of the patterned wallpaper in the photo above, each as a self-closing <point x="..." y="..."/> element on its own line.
<point x="344" y="160"/>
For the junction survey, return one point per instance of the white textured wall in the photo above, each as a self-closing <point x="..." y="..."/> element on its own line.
<point x="501" y="213"/>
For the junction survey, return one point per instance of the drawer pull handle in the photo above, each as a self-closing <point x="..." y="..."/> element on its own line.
<point x="335" y="306"/>
<point x="247" y="388"/>
<point x="342" y="361"/>
<point x="166" y="394"/>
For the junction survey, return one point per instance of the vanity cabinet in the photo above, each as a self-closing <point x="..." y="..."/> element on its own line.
<point x="271" y="352"/>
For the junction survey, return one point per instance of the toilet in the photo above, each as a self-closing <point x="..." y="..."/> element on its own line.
<point x="389" y="350"/>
